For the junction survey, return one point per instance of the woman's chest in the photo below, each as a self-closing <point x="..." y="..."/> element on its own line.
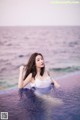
<point x="41" y="83"/>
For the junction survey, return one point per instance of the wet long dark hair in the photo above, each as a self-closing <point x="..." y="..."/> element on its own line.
<point x="31" y="66"/>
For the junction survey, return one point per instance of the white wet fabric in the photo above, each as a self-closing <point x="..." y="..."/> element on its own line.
<point x="41" y="83"/>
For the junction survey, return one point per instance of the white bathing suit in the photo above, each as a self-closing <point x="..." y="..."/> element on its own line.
<point x="42" y="86"/>
<point x="41" y="83"/>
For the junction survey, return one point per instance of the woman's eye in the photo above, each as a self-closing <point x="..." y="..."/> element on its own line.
<point x="38" y="60"/>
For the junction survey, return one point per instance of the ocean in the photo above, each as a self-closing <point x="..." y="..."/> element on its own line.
<point x="60" y="46"/>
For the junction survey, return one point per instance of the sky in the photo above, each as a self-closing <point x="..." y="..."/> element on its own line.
<point x="38" y="13"/>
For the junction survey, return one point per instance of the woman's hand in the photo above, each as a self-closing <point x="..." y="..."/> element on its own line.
<point x="21" y="68"/>
<point x="56" y="84"/>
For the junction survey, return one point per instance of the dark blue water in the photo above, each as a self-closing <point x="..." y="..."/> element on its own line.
<point x="23" y="104"/>
<point x="30" y="107"/>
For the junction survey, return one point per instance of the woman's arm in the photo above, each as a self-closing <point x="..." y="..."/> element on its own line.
<point x="22" y="83"/>
<point x="56" y="84"/>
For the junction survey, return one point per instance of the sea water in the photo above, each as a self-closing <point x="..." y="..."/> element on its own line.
<point x="60" y="47"/>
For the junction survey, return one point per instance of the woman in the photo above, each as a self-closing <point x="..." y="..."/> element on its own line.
<point x="36" y="75"/>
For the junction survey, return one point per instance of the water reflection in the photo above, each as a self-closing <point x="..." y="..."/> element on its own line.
<point x="23" y="104"/>
<point x="38" y="107"/>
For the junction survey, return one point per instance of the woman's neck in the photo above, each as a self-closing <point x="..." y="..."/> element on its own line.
<point x="38" y="71"/>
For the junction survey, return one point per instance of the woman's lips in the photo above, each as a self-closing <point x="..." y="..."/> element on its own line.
<point x="42" y="64"/>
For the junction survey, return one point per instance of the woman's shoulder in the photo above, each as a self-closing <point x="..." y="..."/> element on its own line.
<point x="30" y="75"/>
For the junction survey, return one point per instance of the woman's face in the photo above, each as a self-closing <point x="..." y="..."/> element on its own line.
<point x="39" y="61"/>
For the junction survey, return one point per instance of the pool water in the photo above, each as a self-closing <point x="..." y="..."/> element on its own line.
<point x="66" y="105"/>
<point x="61" y="104"/>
